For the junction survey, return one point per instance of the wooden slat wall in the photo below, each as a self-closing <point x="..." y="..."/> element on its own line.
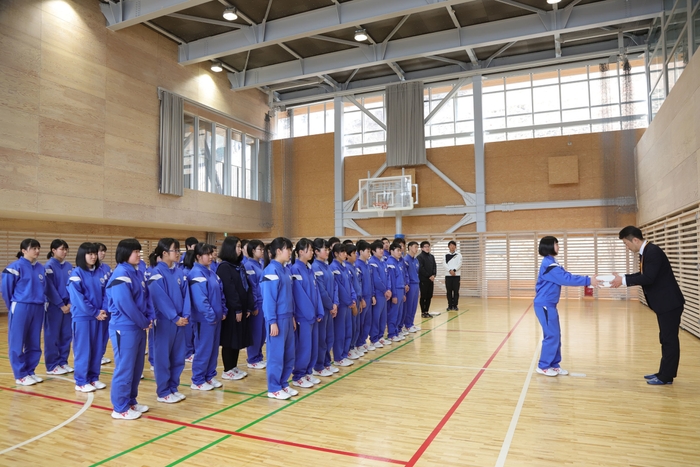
<point x="677" y="235"/>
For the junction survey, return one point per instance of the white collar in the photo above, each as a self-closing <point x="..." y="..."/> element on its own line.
<point x="641" y="250"/>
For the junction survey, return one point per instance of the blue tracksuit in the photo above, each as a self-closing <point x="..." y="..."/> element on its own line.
<point x="128" y="302"/>
<point x="329" y="297"/>
<point x="278" y="307"/>
<point x="365" y="322"/>
<point x="24" y="292"/>
<point x="547" y="291"/>
<point x="146" y="270"/>
<point x="170" y="295"/>
<point x="382" y="283"/>
<point x="105" y="273"/>
<point x="411" y="305"/>
<point x="87" y="296"/>
<point x="254" y="272"/>
<point x="189" y="329"/>
<point x="395" y="268"/>
<point x="308" y="311"/>
<point x="356" y="274"/>
<point x="208" y="310"/>
<point x="214" y="266"/>
<point x="342" y="324"/>
<point x="57" y="325"/>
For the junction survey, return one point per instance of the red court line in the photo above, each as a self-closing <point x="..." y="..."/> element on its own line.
<point x="461" y="398"/>
<point x="221" y="430"/>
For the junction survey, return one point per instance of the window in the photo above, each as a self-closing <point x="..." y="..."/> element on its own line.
<point x="313" y="119"/>
<point x="188" y="151"/>
<point x="361" y="133"/>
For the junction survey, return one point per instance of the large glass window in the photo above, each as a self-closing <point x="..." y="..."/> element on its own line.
<point x="188" y="152"/>
<point x="313" y="119"/>
<point x="204" y="156"/>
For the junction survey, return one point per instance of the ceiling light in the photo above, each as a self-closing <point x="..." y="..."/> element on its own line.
<point x="552" y="2"/>
<point x="230" y="14"/>
<point x="216" y="67"/>
<point x="360" y="35"/>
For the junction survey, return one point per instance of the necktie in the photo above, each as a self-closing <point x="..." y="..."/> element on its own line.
<point x="641" y="264"/>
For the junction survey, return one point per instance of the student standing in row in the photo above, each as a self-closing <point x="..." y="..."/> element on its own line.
<point x="453" y="267"/>
<point x="57" y="319"/>
<point x="427" y="269"/>
<point x="254" y="271"/>
<point x="356" y="278"/>
<point x="308" y="313"/>
<point x="207" y="313"/>
<point x="365" y="322"/>
<point x="395" y="268"/>
<point x="382" y="293"/>
<point x="411" y="304"/>
<point x="24" y="293"/>
<point x="171" y="300"/>
<point x="235" y="331"/>
<point x="104" y="272"/>
<point x="132" y="316"/>
<point x="86" y="289"/>
<point x="342" y="323"/>
<point x="329" y="299"/>
<point x="278" y="306"/>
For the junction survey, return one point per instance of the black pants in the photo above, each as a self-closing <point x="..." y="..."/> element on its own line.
<point x="452" y="286"/>
<point x="230" y="358"/>
<point x="669" y="322"/>
<point x="426" y="295"/>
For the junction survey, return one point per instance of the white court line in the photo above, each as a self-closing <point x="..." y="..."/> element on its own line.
<point x="457" y="367"/>
<point x="516" y="415"/>
<point x="86" y="406"/>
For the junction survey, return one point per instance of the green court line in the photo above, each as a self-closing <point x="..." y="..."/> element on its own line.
<point x="138" y="446"/>
<point x="294" y="401"/>
<point x="192" y="454"/>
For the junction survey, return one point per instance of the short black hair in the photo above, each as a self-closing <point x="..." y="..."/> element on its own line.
<point x="333" y="240"/>
<point x="376" y="245"/>
<point x="410" y="244"/>
<point x="348" y="242"/>
<point x="125" y="248"/>
<point x="363" y="245"/>
<point x="337" y="249"/>
<point x="630" y="232"/>
<point x="190" y="241"/>
<point x="350" y="248"/>
<point x="228" y="250"/>
<point x="188" y="260"/>
<point x="452" y="242"/>
<point x="547" y="246"/>
<point x="83" y="250"/>
<point x="395" y="246"/>
<point x="26" y="244"/>
<point x="201" y="249"/>
<point x="280" y="243"/>
<point x="251" y="246"/>
<point x="55" y="245"/>
<point x="424" y="243"/>
<point x="101" y="247"/>
<point x="400" y="240"/>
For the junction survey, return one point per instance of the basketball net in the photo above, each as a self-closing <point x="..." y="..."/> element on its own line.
<point x="381" y="208"/>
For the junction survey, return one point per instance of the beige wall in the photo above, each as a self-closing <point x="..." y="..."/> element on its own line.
<point x="516" y="171"/>
<point x="668" y="156"/>
<point x="79" y="122"/>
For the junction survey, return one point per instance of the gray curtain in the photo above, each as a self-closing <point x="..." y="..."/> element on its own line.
<point x="172" y="113"/>
<point x="405" y="130"/>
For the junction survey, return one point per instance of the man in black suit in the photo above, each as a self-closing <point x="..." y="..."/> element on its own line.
<point x="663" y="296"/>
<point x="427" y="269"/>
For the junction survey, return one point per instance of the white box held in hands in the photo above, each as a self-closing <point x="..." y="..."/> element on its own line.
<point x="605" y="280"/>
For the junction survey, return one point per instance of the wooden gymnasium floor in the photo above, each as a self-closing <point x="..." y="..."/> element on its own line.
<point x="461" y="392"/>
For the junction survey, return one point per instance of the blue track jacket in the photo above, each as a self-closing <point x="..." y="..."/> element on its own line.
<point x="169" y="292"/>
<point x="552" y="277"/>
<point x="308" y="306"/>
<point x="87" y="293"/>
<point x="127" y="299"/>
<point x="206" y="295"/>
<point x="276" y="287"/>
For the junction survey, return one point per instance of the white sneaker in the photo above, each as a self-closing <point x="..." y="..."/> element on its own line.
<point x="140" y="408"/>
<point x="418" y="328"/>
<point x="402" y="337"/>
<point x="239" y="374"/>
<point x="396" y="339"/>
<point x="57" y="370"/>
<point x="202" y="387"/>
<point x="345" y="362"/>
<point x="36" y="378"/>
<point x="291" y="391"/>
<point x="302" y="383"/>
<point x="169" y="399"/>
<point x="86" y="388"/>
<point x="361" y="351"/>
<point x="412" y="329"/>
<point x="547" y="371"/>
<point x="141" y="375"/>
<point x="128" y="415"/>
<point x="352" y="355"/>
<point x="227" y="375"/>
<point x="189" y="359"/>
<point x="384" y="341"/>
<point x="378" y="345"/>
<point x="26" y="381"/>
<point x="99" y="384"/>
<point x="68" y="368"/>
<point x="323" y="372"/>
<point x="281" y="395"/>
<point x="312" y="380"/>
<point x="179" y="395"/>
<point x="560" y="371"/>
<point x="370" y="347"/>
<point x="105" y="361"/>
<point x="215" y="383"/>
<point x="153" y="368"/>
<point x="332" y="369"/>
<point x="257" y="365"/>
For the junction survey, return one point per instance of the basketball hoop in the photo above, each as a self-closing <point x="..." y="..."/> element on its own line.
<point x="381" y="208"/>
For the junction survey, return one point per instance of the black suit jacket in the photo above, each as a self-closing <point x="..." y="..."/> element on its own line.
<point x="426" y="266"/>
<point x="658" y="282"/>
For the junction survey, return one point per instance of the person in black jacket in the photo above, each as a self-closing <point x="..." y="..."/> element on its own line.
<point x="663" y="295"/>
<point x="427" y="269"/>
<point x="235" y="332"/>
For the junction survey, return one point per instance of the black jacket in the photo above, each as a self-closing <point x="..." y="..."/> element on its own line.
<point x="657" y="280"/>
<point x="426" y="266"/>
<point x="235" y="335"/>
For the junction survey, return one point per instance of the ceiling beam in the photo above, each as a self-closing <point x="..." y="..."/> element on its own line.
<point x="589" y="16"/>
<point x="515" y="63"/>
<point x="199" y="19"/>
<point x="315" y="22"/>
<point x="120" y="15"/>
<point x="522" y="6"/>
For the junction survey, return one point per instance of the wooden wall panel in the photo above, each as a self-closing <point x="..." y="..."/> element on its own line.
<point x="79" y="121"/>
<point x="559" y="219"/>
